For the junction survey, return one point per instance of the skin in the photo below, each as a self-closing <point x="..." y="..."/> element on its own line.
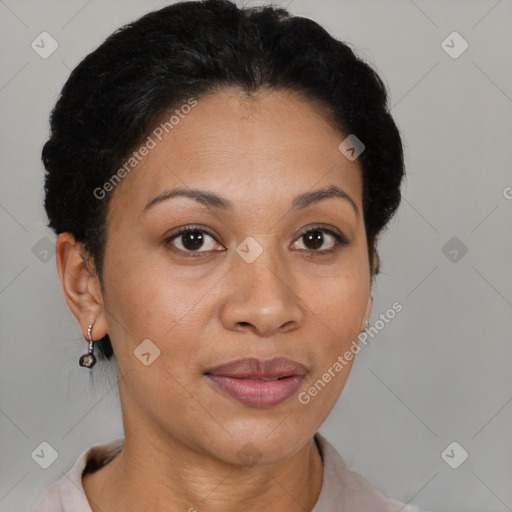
<point x="182" y="435"/>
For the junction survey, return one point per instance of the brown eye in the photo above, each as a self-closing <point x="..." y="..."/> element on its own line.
<point x="190" y="240"/>
<point x="315" y="238"/>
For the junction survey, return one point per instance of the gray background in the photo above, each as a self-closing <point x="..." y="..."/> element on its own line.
<point x="439" y="372"/>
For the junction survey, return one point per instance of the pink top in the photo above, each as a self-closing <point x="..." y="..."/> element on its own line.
<point x="342" y="488"/>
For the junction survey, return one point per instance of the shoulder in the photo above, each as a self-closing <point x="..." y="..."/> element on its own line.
<point x="67" y="494"/>
<point x="50" y="501"/>
<point x="344" y="488"/>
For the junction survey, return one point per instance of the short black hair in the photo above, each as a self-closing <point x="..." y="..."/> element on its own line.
<point x="118" y="93"/>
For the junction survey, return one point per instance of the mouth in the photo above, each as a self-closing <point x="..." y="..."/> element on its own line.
<point x="256" y="382"/>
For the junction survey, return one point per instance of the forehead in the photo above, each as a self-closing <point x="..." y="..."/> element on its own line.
<point x="265" y="147"/>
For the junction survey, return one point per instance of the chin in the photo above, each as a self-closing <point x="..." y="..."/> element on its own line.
<point x="261" y="443"/>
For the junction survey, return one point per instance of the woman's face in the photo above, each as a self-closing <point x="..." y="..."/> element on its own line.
<point x="246" y="284"/>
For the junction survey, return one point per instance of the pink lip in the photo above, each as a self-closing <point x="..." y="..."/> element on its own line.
<point x="246" y="380"/>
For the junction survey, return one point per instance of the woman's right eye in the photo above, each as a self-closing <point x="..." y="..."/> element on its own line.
<point x="189" y="241"/>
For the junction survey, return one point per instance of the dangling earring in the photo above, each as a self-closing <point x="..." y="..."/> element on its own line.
<point x="88" y="360"/>
<point x="367" y="325"/>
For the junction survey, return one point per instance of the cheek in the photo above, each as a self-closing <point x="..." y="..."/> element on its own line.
<point x="338" y="327"/>
<point x="338" y="312"/>
<point x="339" y="308"/>
<point x="144" y="296"/>
<point x="340" y="301"/>
<point x="149" y="299"/>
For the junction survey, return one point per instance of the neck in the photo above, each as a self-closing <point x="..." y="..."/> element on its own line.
<point x="147" y="476"/>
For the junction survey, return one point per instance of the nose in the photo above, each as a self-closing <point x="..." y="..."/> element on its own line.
<point x="263" y="297"/>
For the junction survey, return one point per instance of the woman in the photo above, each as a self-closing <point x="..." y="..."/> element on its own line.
<point x="218" y="178"/>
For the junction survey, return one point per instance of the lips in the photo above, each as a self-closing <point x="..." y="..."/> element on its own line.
<point x="257" y="382"/>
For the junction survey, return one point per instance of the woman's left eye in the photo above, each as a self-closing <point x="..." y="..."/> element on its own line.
<point x="315" y="238"/>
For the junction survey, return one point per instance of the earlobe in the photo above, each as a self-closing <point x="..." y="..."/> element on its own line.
<point x="80" y="285"/>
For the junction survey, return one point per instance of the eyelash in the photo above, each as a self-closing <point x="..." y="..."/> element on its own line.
<point x="340" y="241"/>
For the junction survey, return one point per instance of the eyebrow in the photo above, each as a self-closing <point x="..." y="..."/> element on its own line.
<point x="212" y="200"/>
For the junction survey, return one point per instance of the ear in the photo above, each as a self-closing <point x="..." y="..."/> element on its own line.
<point x="367" y="313"/>
<point x="81" y="285"/>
